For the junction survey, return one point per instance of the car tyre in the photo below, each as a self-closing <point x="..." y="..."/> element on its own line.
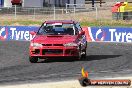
<point x="80" y="53"/>
<point x="79" y="56"/>
<point x="33" y="59"/>
<point x="84" y="54"/>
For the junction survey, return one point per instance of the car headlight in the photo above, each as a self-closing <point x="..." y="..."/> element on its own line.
<point x="36" y="44"/>
<point x="70" y="44"/>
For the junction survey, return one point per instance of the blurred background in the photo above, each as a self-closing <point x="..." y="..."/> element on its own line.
<point x="80" y="10"/>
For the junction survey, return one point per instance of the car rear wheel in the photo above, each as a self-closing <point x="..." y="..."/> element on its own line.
<point x="79" y="56"/>
<point x="33" y="59"/>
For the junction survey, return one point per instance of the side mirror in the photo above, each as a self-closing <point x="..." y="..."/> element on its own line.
<point x="82" y="33"/>
<point x="33" y="33"/>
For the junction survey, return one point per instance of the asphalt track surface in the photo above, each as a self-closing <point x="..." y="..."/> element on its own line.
<point x="103" y="60"/>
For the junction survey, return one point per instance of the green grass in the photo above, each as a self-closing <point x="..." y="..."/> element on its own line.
<point x="108" y="23"/>
<point x="84" y="23"/>
<point x="18" y="22"/>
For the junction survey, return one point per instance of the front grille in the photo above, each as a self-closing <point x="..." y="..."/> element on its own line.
<point x="47" y="44"/>
<point x="57" y="44"/>
<point x="52" y="44"/>
<point x="69" y="51"/>
<point x="52" y="51"/>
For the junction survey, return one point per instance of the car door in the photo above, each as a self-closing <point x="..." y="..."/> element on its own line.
<point x="82" y="37"/>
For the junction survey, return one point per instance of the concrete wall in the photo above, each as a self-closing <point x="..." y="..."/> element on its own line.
<point x="7" y="3"/>
<point x="32" y="3"/>
<point x="52" y="2"/>
<point x="63" y="2"/>
<point x="39" y="3"/>
<point x="81" y="1"/>
<point x="77" y="2"/>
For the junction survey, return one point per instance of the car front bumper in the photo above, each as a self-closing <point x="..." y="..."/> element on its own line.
<point x="53" y="51"/>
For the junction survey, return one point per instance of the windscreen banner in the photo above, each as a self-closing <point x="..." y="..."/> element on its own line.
<point x="94" y="34"/>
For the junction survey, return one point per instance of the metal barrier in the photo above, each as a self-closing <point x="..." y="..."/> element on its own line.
<point x="51" y="13"/>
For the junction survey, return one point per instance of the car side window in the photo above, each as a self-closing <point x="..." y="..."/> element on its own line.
<point x="40" y="31"/>
<point x="76" y="30"/>
<point x="78" y="27"/>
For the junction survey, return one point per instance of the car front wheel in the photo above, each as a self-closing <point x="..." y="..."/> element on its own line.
<point x="84" y="53"/>
<point x="33" y="59"/>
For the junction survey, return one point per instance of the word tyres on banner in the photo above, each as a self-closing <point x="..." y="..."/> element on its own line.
<point x="21" y="33"/>
<point x="117" y="34"/>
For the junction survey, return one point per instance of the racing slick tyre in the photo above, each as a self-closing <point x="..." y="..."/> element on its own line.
<point x="33" y="59"/>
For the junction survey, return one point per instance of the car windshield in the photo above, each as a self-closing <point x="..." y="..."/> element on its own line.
<point x="56" y="29"/>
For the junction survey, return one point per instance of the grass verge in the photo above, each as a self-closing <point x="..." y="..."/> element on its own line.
<point x="111" y="23"/>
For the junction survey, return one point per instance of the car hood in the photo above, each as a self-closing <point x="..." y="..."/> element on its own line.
<point x="54" y="39"/>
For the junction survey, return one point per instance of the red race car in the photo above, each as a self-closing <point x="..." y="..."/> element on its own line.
<point x="63" y="38"/>
<point x="16" y="2"/>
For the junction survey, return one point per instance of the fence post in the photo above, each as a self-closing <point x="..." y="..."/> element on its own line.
<point x="96" y="13"/>
<point x="62" y="11"/>
<point x="66" y="8"/>
<point x="15" y="11"/>
<point x="54" y="13"/>
<point x="74" y="10"/>
<point x="34" y="13"/>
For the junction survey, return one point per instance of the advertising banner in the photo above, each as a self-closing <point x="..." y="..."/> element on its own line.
<point x="21" y="33"/>
<point x="109" y="34"/>
<point x="94" y="34"/>
<point x="0" y="2"/>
